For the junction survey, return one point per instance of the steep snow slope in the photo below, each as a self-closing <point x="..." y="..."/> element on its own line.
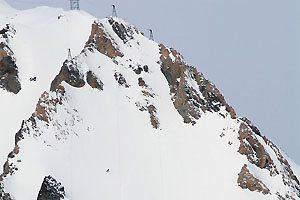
<point x="40" y="45"/>
<point x="125" y="118"/>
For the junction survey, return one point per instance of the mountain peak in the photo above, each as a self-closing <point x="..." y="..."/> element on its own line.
<point x="123" y="117"/>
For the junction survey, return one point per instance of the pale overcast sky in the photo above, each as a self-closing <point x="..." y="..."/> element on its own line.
<point x="249" y="48"/>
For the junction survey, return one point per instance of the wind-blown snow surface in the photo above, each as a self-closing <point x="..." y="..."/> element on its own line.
<point x="95" y="130"/>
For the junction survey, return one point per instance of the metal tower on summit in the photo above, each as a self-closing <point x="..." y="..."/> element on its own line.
<point x="74" y="4"/>
<point x="151" y="34"/>
<point x="69" y="54"/>
<point x="114" y="11"/>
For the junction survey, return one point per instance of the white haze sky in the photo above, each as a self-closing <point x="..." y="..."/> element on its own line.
<point x="249" y="48"/>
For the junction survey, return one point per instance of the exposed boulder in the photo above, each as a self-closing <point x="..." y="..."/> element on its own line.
<point x="141" y="82"/>
<point x="146" y="68"/>
<point x="93" y="81"/>
<point x="138" y="70"/>
<point x="70" y="74"/>
<point x="102" y="41"/>
<point x="51" y="190"/>
<point x="246" y="180"/>
<point x="190" y="100"/>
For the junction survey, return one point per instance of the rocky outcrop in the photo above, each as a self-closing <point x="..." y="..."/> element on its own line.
<point x="9" y="75"/>
<point x="9" y="167"/>
<point x="254" y="150"/>
<point x="93" y="81"/>
<point x="246" y="180"/>
<point x="28" y="127"/>
<point x="124" y="33"/>
<point x="3" y="194"/>
<point x="47" y="104"/>
<point x="288" y="176"/>
<point x="153" y="118"/>
<point x="51" y="190"/>
<point x="138" y="70"/>
<point x="253" y="145"/>
<point x="251" y="126"/>
<point x="45" y="108"/>
<point x="151" y="109"/>
<point x="120" y="79"/>
<point x="9" y="79"/>
<point x="102" y="41"/>
<point x="284" y="197"/>
<point x="70" y="74"/>
<point x="141" y="82"/>
<point x="192" y="94"/>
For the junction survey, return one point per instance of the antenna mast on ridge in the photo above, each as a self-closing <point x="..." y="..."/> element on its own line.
<point x="74" y="4"/>
<point x="69" y="54"/>
<point x="151" y="34"/>
<point x="114" y="11"/>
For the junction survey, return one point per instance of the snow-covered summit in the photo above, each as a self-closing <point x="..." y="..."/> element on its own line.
<point x="121" y="118"/>
<point x="5" y="5"/>
<point x="6" y="12"/>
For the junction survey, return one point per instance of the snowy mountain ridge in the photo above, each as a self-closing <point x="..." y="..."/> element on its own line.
<point x="124" y="118"/>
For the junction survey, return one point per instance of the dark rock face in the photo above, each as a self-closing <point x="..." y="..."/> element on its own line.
<point x="93" y="81"/>
<point x="9" y="79"/>
<point x="246" y="180"/>
<point x="190" y="101"/>
<point x="124" y="33"/>
<point x="70" y="74"/>
<point x="9" y="75"/>
<point x="51" y="190"/>
<point x="102" y="41"/>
